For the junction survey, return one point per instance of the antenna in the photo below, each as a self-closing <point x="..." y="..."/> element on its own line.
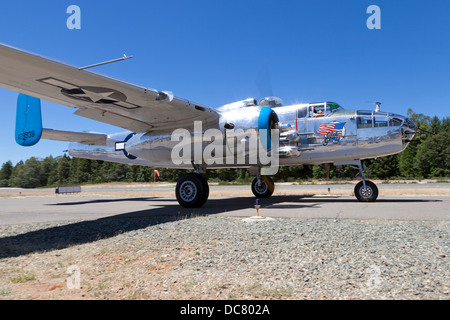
<point x="377" y="109"/>
<point x="378" y="105"/>
<point x="106" y="62"/>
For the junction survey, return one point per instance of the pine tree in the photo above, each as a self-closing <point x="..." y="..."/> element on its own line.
<point x="5" y="173"/>
<point x="63" y="171"/>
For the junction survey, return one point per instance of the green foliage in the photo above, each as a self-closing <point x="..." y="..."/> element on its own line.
<point x="5" y="173"/>
<point x="428" y="156"/>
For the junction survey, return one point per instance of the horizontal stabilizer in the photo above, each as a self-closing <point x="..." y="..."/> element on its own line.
<point x="91" y="138"/>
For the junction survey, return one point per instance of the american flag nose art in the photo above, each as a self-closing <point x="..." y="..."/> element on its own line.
<point x="337" y="127"/>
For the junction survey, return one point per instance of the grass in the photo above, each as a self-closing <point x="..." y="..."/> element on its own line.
<point x="4" y="291"/>
<point x="22" y="278"/>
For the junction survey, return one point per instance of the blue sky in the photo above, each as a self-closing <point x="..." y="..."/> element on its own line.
<point x="213" y="52"/>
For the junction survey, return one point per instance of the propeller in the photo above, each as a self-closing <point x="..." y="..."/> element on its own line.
<point x="264" y="83"/>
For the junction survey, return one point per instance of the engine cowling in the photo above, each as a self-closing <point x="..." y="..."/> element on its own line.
<point x="267" y="121"/>
<point x="243" y="126"/>
<point x="250" y="102"/>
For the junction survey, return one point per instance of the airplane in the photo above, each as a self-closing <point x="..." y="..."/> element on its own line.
<point x="162" y="130"/>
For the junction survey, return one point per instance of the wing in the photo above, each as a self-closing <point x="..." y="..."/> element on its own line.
<point x="99" y="97"/>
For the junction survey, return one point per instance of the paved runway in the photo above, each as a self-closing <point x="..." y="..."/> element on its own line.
<point x="52" y="208"/>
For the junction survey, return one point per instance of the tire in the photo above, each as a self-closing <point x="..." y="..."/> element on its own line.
<point x="368" y="195"/>
<point x="192" y="190"/>
<point x="264" y="189"/>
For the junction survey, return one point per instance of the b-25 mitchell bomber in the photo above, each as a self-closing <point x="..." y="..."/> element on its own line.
<point x="162" y="130"/>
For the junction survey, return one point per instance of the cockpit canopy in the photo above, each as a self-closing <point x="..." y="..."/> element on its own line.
<point x="321" y="109"/>
<point x="271" y="102"/>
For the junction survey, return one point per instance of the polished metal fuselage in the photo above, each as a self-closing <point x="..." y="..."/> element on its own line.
<point x="304" y="139"/>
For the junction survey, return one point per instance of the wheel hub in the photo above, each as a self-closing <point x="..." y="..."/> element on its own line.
<point x="261" y="186"/>
<point x="188" y="191"/>
<point x="365" y="192"/>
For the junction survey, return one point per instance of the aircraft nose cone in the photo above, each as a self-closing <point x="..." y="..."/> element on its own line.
<point x="410" y="124"/>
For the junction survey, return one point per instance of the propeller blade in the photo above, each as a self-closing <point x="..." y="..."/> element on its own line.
<point x="264" y="83"/>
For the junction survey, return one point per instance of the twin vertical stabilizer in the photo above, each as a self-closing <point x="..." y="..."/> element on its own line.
<point x="28" y="120"/>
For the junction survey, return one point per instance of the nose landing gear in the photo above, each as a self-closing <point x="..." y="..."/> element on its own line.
<point x="365" y="190"/>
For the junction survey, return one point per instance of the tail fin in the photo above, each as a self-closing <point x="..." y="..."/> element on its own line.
<point x="28" y="120"/>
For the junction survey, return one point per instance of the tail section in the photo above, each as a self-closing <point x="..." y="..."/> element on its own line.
<point x="28" y="120"/>
<point x="88" y="145"/>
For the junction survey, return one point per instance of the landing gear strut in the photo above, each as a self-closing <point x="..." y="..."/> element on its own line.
<point x="365" y="190"/>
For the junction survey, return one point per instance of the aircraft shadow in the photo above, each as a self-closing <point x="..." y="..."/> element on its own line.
<point x="106" y="201"/>
<point x="60" y="237"/>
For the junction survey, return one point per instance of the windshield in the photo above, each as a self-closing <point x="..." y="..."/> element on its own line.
<point x="343" y="112"/>
<point x="333" y="107"/>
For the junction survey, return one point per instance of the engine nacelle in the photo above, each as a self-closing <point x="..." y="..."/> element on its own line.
<point x="239" y="104"/>
<point x="242" y="126"/>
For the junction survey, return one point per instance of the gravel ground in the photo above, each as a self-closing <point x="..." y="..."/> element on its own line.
<point x="225" y="258"/>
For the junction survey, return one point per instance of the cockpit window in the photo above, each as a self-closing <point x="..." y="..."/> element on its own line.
<point x="302" y="112"/>
<point x="332" y="107"/>
<point x="369" y="119"/>
<point x="317" y="111"/>
<point x="364" y="121"/>
<point x="380" y="121"/>
<point x="395" y="122"/>
<point x="343" y="112"/>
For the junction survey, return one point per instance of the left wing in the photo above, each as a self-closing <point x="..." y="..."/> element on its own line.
<point x="98" y="97"/>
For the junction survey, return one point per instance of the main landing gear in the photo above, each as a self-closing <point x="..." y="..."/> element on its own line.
<point x="365" y="190"/>
<point x="263" y="187"/>
<point x="192" y="190"/>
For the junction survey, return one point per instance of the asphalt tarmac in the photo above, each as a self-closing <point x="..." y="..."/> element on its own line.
<point x="18" y="208"/>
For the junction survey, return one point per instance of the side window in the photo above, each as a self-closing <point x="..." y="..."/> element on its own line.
<point x="381" y="122"/>
<point x="364" y="122"/>
<point x="302" y="113"/>
<point x="317" y="111"/>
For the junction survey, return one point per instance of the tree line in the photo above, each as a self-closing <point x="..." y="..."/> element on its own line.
<point x="427" y="156"/>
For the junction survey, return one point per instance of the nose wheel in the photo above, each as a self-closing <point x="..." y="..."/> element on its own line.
<point x="192" y="190"/>
<point x="367" y="192"/>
